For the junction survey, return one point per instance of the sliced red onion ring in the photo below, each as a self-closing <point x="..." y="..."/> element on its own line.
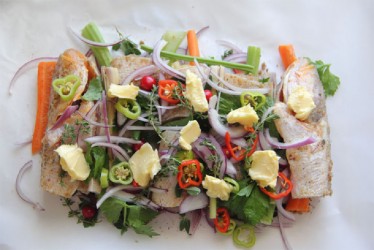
<point x="91" y="122"/>
<point x="140" y="72"/>
<point x="201" y="31"/>
<point x="165" y="157"/>
<point x="195" y="218"/>
<point x="26" y="66"/>
<point x="156" y="57"/>
<point x="24" y="143"/>
<point x="93" y="109"/>
<point x="239" y="89"/>
<point x="92" y="43"/>
<point x="128" y="124"/>
<point x="113" y="139"/>
<point x="266" y="113"/>
<point x="88" y="53"/>
<point x="284" y="212"/>
<point x="166" y="107"/>
<point x="237" y="57"/>
<point x="283" y="233"/>
<point x="145" y="93"/>
<point x="65" y="115"/>
<point x="230" y="169"/>
<point x="230" y="45"/>
<point x="221" y="155"/>
<point x="19" y="191"/>
<point x="283" y="162"/>
<point x="280" y="145"/>
<point x="170" y="128"/>
<point x="209" y="220"/>
<point x="137" y="199"/>
<point x="240" y="142"/>
<point x="105" y="114"/>
<point x="263" y="143"/>
<point x="112" y="191"/>
<point x="112" y="146"/>
<point x="193" y="202"/>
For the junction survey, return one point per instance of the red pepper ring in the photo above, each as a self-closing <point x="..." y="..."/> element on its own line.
<point x="166" y="90"/>
<point x="222" y="221"/>
<point x="189" y="174"/>
<point x="241" y="155"/>
<point x="285" y="183"/>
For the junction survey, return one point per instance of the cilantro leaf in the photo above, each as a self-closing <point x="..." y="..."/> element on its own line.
<point x="329" y="81"/>
<point x="95" y="157"/>
<point x="143" y="215"/>
<point x="228" y="103"/>
<point x="94" y="90"/>
<point x="140" y="228"/>
<point x="128" y="47"/>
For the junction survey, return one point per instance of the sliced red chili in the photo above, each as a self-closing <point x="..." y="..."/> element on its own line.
<point x="222" y="221"/>
<point x="286" y="186"/>
<point x="189" y="174"/>
<point x="167" y="89"/>
<point x="241" y="155"/>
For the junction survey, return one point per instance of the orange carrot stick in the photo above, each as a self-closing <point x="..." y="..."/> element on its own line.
<point x="298" y="205"/>
<point x="45" y="74"/>
<point x="193" y="46"/>
<point x="287" y="54"/>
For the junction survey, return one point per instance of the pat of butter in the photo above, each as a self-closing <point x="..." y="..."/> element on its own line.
<point x="145" y="164"/>
<point x="217" y="188"/>
<point x="189" y="134"/>
<point x="73" y="162"/>
<point x="264" y="168"/>
<point x="301" y="102"/>
<point x="195" y="92"/>
<point x="123" y="91"/>
<point x="245" y="115"/>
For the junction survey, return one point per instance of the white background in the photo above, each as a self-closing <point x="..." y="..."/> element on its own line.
<point x="338" y="32"/>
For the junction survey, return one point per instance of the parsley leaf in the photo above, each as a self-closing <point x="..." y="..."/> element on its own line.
<point x="246" y="191"/>
<point x="228" y="103"/>
<point x="329" y="81"/>
<point x="94" y="90"/>
<point x="112" y="209"/>
<point x="128" y="47"/>
<point x="95" y="157"/>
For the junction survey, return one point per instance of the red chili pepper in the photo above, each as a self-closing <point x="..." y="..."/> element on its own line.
<point x="222" y="221"/>
<point x="286" y="185"/>
<point x="189" y="174"/>
<point x="166" y="90"/>
<point x="241" y="154"/>
<point x="135" y="184"/>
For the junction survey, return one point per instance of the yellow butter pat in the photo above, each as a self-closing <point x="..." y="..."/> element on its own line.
<point x="189" y="134"/>
<point x="301" y="102"/>
<point x="264" y="168"/>
<point x="195" y="92"/>
<point x="73" y="162"/>
<point x="123" y="91"/>
<point x="217" y="188"/>
<point x="245" y="115"/>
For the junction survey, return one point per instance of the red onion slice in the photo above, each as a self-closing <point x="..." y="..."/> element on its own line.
<point x="92" y="43"/>
<point x="156" y="57"/>
<point x="295" y="144"/>
<point x="263" y="143"/>
<point x="111" y="191"/>
<point x="209" y="220"/>
<point x="193" y="202"/>
<point x="230" y="45"/>
<point x="19" y="191"/>
<point x="129" y="123"/>
<point x="202" y="31"/>
<point x="221" y="155"/>
<point x="112" y="146"/>
<point x="283" y="233"/>
<point x="137" y="199"/>
<point x="25" y="67"/>
<point x="140" y="72"/>
<point x="166" y="107"/>
<point x="114" y="139"/>
<point x="91" y="122"/>
<point x="105" y="114"/>
<point x="145" y="128"/>
<point x="219" y="128"/>
<point x="23" y="143"/>
<point x="230" y="169"/>
<point x="65" y="115"/>
<point x="195" y="218"/>
<point x="237" y="57"/>
<point x="284" y="212"/>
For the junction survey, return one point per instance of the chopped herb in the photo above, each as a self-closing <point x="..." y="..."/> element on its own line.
<point x="128" y="47"/>
<point x="217" y="161"/>
<point x="227" y="53"/>
<point x="329" y="81"/>
<point x="264" y="80"/>
<point x="184" y="224"/>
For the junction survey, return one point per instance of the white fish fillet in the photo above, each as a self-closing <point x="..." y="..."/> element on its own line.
<point x="311" y="165"/>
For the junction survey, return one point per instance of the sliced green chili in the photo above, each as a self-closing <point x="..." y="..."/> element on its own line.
<point x="233" y="183"/>
<point x="121" y="174"/>
<point x="66" y="86"/>
<point x="256" y="100"/>
<point x="129" y="108"/>
<point x="104" y="178"/>
<point x="244" y="230"/>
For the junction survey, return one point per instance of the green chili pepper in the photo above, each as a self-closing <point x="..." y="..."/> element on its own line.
<point x="233" y="183"/>
<point x="256" y="100"/>
<point x="67" y="86"/>
<point x="104" y="178"/>
<point x="249" y="231"/>
<point x="231" y="228"/>
<point x="129" y="108"/>
<point x="121" y="173"/>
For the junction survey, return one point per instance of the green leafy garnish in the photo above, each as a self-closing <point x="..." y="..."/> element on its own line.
<point x="329" y="81"/>
<point x="228" y="103"/>
<point x="95" y="157"/>
<point x="94" y="90"/>
<point x="128" y="47"/>
<point x="185" y="224"/>
<point x="227" y="53"/>
<point x="124" y="215"/>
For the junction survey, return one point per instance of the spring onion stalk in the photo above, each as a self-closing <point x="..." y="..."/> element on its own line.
<point x="174" y="39"/>
<point x="253" y="58"/>
<point x="208" y="61"/>
<point x="212" y="208"/>
<point x="92" y="32"/>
